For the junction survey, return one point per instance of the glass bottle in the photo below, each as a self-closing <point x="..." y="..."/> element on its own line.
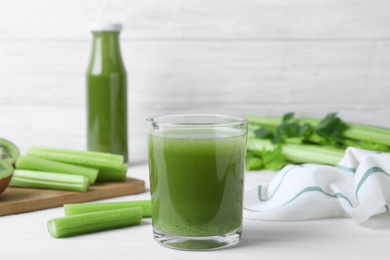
<point x="107" y="93"/>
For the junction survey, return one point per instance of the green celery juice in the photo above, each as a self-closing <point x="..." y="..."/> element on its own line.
<point x="107" y="96"/>
<point x="196" y="179"/>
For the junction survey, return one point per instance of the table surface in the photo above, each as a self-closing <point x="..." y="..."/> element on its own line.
<point x="25" y="236"/>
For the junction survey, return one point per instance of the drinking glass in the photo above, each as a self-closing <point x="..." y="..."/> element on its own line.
<point x="196" y="171"/>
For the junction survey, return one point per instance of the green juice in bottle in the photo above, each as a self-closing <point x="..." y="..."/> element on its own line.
<point x="107" y="93"/>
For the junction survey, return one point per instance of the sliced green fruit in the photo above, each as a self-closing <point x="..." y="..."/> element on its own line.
<point x="9" y="152"/>
<point x="6" y="171"/>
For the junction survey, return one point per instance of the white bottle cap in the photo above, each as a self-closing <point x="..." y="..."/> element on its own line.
<point x="105" y="27"/>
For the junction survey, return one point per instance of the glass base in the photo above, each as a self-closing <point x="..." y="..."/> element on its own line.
<point x="198" y="243"/>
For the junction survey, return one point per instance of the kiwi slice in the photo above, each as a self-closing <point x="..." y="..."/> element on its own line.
<point x="9" y="152"/>
<point x="6" y="171"/>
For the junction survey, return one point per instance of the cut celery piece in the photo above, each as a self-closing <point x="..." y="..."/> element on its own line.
<point x="82" y="208"/>
<point x="87" y="159"/>
<point x="49" y="180"/>
<point x="38" y="164"/>
<point x="113" y="175"/>
<point x="109" y="156"/>
<point x="93" y="222"/>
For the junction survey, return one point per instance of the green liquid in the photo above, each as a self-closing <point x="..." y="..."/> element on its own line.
<point x="196" y="181"/>
<point x="107" y="96"/>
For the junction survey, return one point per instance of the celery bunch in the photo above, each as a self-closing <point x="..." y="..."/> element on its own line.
<point x="274" y="142"/>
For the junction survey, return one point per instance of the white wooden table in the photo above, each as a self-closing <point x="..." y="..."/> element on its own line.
<point x="25" y="236"/>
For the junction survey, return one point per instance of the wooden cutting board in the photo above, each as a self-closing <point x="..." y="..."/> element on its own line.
<point x="17" y="200"/>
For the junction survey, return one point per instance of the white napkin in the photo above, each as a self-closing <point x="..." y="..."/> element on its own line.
<point x="358" y="187"/>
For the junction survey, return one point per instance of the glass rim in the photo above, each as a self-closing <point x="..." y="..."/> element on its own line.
<point x="213" y="120"/>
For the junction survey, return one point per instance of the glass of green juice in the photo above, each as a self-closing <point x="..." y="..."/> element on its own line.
<point x="196" y="171"/>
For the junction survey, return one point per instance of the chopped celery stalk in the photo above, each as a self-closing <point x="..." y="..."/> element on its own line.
<point x="109" y="156"/>
<point x="113" y="175"/>
<point x="82" y="159"/>
<point x="93" y="222"/>
<point x="49" y="180"/>
<point x="38" y="164"/>
<point x="82" y="208"/>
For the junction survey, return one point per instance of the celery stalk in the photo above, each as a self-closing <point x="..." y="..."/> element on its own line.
<point x="93" y="222"/>
<point x="360" y="132"/>
<point x="113" y="174"/>
<point x="108" y="156"/>
<point x="264" y="120"/>
<point x="49" y="180"/>
<point x="303" y="153"/>
<point x="312" y="154"/>
<point x="104" y="161"/>
<point x="368" y="134"/>
<point x="82" y="208"/>
<point x="38" y="164"/>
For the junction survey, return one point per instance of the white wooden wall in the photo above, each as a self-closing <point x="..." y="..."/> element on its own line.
<point x="188" y="56"/>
